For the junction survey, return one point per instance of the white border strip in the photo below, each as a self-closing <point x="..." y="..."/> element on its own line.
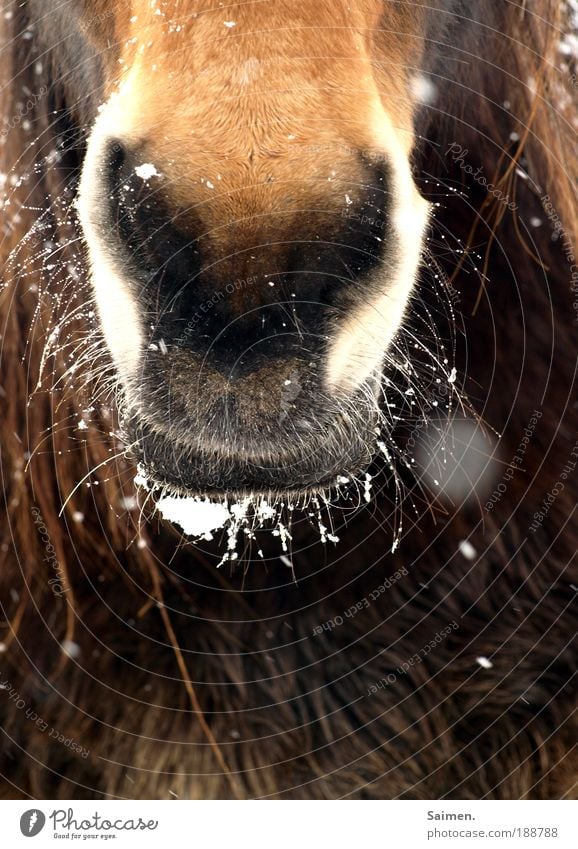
<point x="287" y="825"/>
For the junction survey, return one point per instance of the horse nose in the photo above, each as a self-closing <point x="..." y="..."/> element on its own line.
<point x="239" y="294"/>
<point x="273" y="394"/>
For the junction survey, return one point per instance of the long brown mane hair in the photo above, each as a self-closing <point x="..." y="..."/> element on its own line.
<point x="132" y="667"/>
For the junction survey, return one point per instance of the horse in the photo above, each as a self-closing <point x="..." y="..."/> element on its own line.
<point x="252" y="257"/>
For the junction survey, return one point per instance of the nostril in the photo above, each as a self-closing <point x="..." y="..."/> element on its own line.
<point x="115" y="158"/>
<point x="145" y="223"/>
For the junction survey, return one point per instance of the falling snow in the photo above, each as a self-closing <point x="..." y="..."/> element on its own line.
<point x="424" y="89"/>
<point x="70" y="648"/>
<point x="467" y="549"/>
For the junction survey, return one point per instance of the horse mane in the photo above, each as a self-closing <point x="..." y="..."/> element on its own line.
<point x="95" y="543"/>
<point x="526" y="87"/>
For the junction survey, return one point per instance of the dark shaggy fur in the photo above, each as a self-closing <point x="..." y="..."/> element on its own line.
<point x="206" y="683"/>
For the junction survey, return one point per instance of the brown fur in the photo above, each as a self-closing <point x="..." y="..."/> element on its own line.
<point x="206" y="683"/>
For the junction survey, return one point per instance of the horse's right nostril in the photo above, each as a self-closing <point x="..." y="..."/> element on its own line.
<point x="115" y="157"/>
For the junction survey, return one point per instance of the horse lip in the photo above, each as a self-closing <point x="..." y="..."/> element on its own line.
<point x="199" y="474"/>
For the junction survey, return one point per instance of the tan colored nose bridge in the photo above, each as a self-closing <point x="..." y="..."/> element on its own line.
<point x="196" y="83"/>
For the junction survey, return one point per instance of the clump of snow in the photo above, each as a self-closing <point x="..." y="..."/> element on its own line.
<point x="197" y="517"/>
<point x="141" y="478"/>
<point x="367" y="487"/>
<point x="146" y="171"/>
